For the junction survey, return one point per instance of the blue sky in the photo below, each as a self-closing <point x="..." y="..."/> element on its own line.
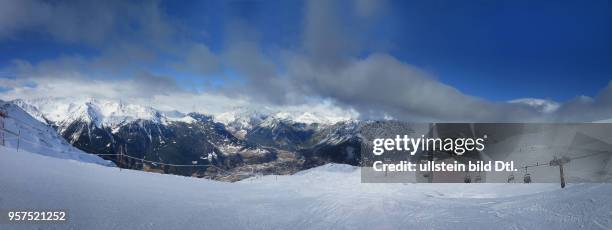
<point x="506" y="49"/>
<point x="492" y="50"/>
<point x="498" y="50"/>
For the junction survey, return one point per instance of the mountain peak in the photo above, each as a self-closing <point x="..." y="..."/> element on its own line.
<point x="101" y="112"/>
<point x="111" y="113"/>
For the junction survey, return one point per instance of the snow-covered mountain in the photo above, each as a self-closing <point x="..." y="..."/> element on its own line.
<point x="99" y="112"/>
<point x="241" y="119"/>
<point x="31" y="110"/>
<point x="38" y="137"/>
<point x="109" y="113"/>
<point x="235" y="142"/>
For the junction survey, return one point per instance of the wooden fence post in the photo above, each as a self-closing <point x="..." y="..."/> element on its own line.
<point x="2" y="116"/>
<point x="18" y="139"/>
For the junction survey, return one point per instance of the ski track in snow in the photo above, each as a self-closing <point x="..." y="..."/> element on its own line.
<point x="327" y="197"/>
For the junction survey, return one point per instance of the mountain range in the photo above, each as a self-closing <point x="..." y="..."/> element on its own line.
<point x="228" y="146"/>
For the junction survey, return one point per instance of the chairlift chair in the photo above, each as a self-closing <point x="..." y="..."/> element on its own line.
<point x="527" y="178"/>
<point x="511" y="178"/>
<point x="467" y="179"/>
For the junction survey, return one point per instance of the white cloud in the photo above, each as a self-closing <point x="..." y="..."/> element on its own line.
<point x="158" y="92"/>
<point x="542" y="105"/>
<point x="92" y="22"/>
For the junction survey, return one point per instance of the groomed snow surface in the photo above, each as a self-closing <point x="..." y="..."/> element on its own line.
<point x="327" y="197"/>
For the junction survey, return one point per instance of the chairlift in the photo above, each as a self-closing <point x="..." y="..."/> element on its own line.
<point x="467" y="179"/>
<point x="527" y="178"/>
<point x="511" y="178"/>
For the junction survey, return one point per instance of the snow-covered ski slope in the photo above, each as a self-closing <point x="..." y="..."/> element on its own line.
<point x="327" y="197"/>
<point x="29" y="134"/>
